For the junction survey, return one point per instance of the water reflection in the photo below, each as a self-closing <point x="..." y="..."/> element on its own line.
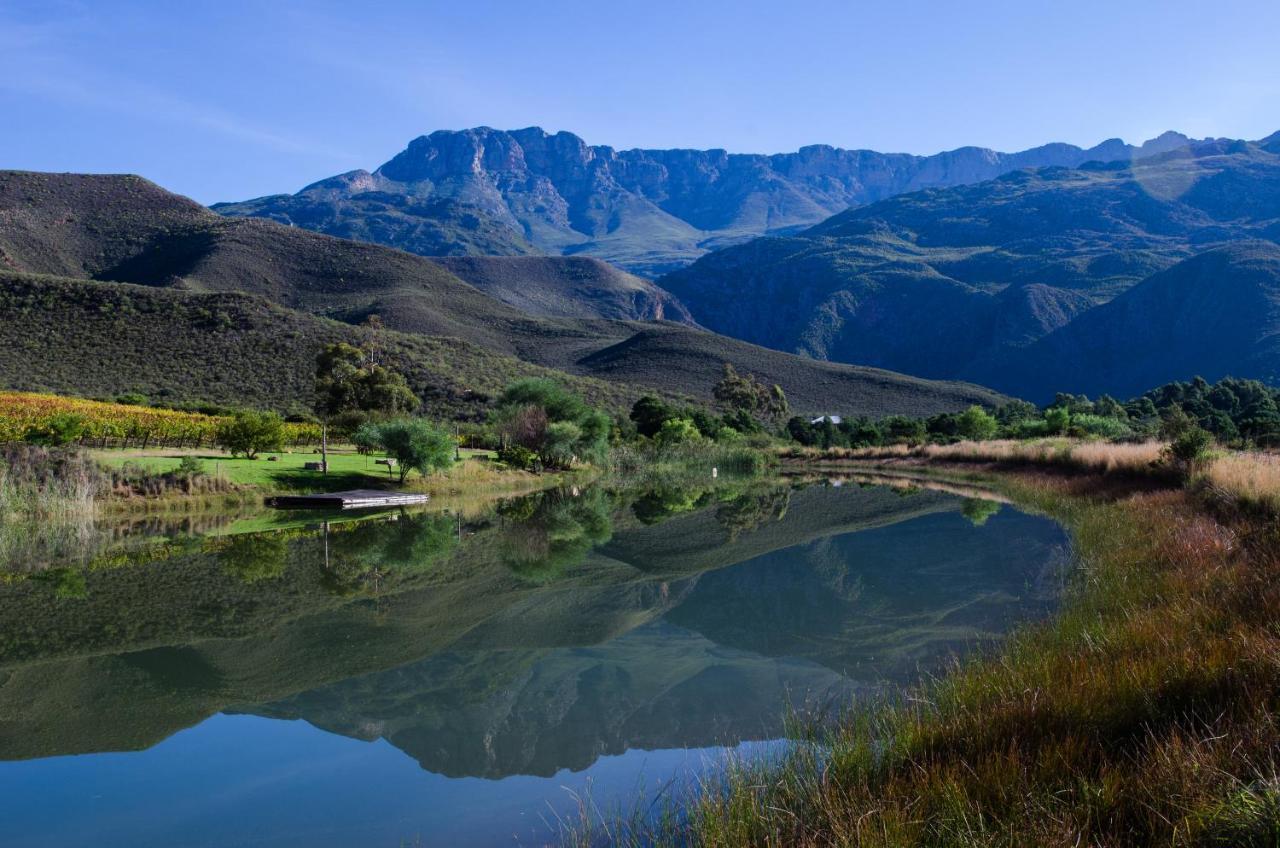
<point x="541" y="636"/>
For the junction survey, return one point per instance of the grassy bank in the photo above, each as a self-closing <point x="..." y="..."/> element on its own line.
<point x="286" y="471"/>
<point x="1144" y="713"/>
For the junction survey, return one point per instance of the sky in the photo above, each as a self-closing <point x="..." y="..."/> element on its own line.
<point x="229" y="100"/>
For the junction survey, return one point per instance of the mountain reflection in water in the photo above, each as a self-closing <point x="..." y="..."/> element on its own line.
<point x="540" y="636"/>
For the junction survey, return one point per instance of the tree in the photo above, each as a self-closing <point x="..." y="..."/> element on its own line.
<point x="58" y="430"/>
<point x="349" y="381"/>
<point x="677" y="431"/>
<point x="247" y="433"/>
<point x="747" y="394"/>
<point x="901" y="429"/>
<point x="1109" y="407"/>
<point x="529" y="410"/>
<point x="648" y="413"/>
<point x="977" y="424"/>
<point x="417" y="445"/>
<point x="1174" y="422"/>
<point x="737" y="392"/>
<point x="1016" y="410"/>
<point x="1057" y="420"/>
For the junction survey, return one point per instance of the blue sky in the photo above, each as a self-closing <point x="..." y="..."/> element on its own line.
<point x="229" y="100"/>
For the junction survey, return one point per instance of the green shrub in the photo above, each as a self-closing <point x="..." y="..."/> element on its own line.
<point x="562" y="440"/>
<point x="677" y="431"/>
<point x="976" y="424"/>
<point x="190" y="466"/>
<point x="61" y="429"/>
<point x="248" y="433"/>
<point x="1191" y="448"/>
<point x="1057" y="420"/>
<point x="417" y="445"/>
<point x="1105" y="427"/>
<point x="518" y="456"/>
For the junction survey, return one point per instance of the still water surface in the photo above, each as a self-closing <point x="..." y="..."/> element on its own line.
<point x="419" y="678"/>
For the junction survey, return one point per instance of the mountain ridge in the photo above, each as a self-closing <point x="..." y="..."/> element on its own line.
<point x="646" y="210"/>
<point x="954" y="283"/>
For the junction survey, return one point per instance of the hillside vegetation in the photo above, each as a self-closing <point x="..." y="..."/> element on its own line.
<point x="957" y="283"/>
<point x="109" y="339"/>
<point x="568" y="287"/>
<point x="194" y="263"/>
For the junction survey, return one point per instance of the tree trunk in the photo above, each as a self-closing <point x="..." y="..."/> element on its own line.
<point x="324" y="448"/>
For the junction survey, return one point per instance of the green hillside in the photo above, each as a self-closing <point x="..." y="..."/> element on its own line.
<point x="1214" y="315"/>
<point x="64" y="226"/>
<point x="106" y="339"/>
<point x="955" y="283"/>
<point x="567" y="287"/>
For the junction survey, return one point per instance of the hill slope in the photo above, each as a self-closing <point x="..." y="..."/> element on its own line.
<point x="105" y="339"/>
<point x="649" y="211"/>
<point x="1215" y="315"/>
<point x="186" y="250"/>
<point x="567" y="287"/>
<point x="956" y="282"/>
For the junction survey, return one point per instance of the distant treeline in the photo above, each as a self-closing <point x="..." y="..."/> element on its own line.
<point x="1237" y="412"/>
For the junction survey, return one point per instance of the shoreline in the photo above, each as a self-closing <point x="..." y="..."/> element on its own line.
<point x="1140" y="713"/>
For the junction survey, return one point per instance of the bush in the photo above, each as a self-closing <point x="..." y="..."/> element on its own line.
<point x="977" y="424"/>
<point x="677" y="431"/>
<point x="1191" y="448"/>
<point x="248" y="433"/>
<point x="190" y="466"/>
<point x="1105" y="427"/>
<point x="61" y="429"/>
<point x="417" y="445"/>
<point x="518" y="456"/>
<point x="562" y="440"/>
<point x="1057" y="420"/>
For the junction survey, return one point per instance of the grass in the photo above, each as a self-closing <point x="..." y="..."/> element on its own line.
<point x="1144" y="713"/>
<point x="1105" y="457"/>
<point x="1252" y="479"/>
<point x="347" y="470"/>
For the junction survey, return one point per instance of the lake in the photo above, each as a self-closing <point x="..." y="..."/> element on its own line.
<point x="467" y="678"/>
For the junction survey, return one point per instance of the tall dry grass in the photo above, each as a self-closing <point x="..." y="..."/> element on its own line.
<point x="1250" y="478"/>
<point x="1105" y="457"/>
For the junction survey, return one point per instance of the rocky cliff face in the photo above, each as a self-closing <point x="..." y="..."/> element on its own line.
<point x="649" y="211"/>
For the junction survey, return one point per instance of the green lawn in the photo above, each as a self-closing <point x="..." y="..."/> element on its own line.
<point x="347" y="469"/>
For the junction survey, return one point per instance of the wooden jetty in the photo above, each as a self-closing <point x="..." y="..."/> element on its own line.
<point x="354" y="499"/>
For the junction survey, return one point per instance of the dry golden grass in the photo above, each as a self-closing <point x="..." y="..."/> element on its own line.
<point x="1251" y="478"/>
<point x="1105" y="457"/>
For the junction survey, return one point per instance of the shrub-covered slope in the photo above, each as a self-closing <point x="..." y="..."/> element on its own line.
<point x="1214" y="315"/>
<point x="568" y="287"/>
<point x="186" y="250"/>
<point x="956" y="282"/>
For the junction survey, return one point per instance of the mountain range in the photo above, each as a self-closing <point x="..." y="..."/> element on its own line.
<point x="1029" y="282"/>
<point x="111" y="285"/>
<point x="483" y="191"/>
<point x="1137" y="266"/>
